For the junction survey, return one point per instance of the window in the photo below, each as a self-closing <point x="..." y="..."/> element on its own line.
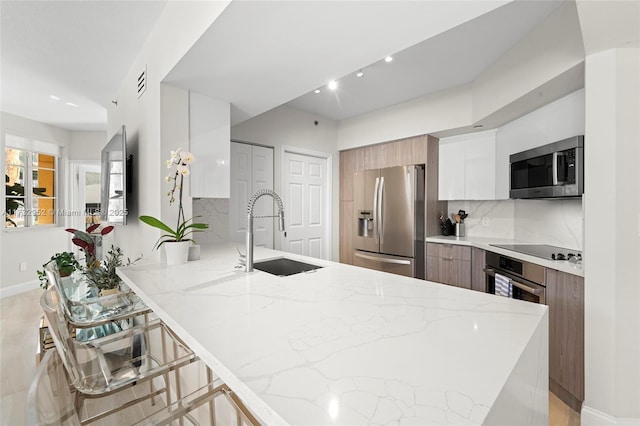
<point x="36" y="171"/>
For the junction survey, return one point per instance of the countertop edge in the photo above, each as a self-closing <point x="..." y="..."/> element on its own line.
<point x="258" y="407"/>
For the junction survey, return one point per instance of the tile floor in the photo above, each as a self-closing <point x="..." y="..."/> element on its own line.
<point x="19" y="320"/>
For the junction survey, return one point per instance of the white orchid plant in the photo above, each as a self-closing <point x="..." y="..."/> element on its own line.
<point x="181" y="160"/>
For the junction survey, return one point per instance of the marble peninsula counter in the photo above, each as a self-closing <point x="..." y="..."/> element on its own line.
<point x="350" y="346"/>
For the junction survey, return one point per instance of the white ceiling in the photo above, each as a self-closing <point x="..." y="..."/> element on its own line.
<point x="259" y="55"/>
<point x="78" y="51"/>
<point x="256" y="55"/>
<point x="453" y="58"/>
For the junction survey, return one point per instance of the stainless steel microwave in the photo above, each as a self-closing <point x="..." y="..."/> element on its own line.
<point x="555" y="170"/>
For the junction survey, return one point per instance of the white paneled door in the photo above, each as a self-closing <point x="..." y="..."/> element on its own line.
<point x="251" y="170"/>
<point x="305" y="184"/>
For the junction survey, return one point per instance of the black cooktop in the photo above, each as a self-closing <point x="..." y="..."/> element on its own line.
<point x="542" y="250"/>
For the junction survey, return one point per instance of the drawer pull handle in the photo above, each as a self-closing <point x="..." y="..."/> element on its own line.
<point x="383" y="260"/>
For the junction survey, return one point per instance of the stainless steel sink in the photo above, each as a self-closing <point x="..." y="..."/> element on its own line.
<point x="284" y="267"/>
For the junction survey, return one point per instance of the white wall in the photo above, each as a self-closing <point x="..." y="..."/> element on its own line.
<point x="448" y="109"/>
<point x="150" y="145"/>
<point x="544" y="53"/>
<point x="34" y="246"/>
<point x="174" y="130"/>
<point x="87" y="145"/>
<point x="286" y="126"/>
<point x="612" y="238"/>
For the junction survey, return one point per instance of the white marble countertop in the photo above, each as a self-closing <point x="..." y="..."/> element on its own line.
<point x="346" y="345"/>
<point x="486" y="243"/>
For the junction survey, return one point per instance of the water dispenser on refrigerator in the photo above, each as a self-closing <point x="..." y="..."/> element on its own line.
<point x="365" y="223"/>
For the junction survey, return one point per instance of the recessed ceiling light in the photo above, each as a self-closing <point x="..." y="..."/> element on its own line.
<point x="388" y="59"/>
<point x="71" y="104"/>
<point x="359" y="73"/>
<point x="333" y="85"/>
<point x="54" y="98"/>
<point x="316" y="91"/>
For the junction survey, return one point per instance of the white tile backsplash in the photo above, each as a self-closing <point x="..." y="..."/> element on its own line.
<point x="500" y="216"/>
<point x="553" y="222"/>
<point x="215" y="212"/>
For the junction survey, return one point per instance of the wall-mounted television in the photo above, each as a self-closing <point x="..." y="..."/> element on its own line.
<point x="116" y="179"/>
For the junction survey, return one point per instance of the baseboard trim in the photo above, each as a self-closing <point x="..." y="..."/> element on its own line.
<point x="18" y="288"/>
<point x="592" y="417"/>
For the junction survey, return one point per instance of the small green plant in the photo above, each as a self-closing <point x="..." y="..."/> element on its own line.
<point x="103" y="275"/>
<point x="67" y="264"/>
<point x="181" y="233"/>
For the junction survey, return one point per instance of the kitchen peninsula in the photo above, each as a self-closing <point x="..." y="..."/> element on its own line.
<point x="347" y="345"/>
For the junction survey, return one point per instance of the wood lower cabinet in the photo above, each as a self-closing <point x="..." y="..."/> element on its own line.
<point x="346" y="232"/>
<point x="449" y="264"/>
<point x="565" y="298"/>
<point x="478" y="262"/>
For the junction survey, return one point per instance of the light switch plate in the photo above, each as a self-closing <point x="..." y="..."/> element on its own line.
<point x="485" y="221"/>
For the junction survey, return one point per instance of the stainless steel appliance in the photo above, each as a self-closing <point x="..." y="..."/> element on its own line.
<point x="544" y="251"/>
<point x="527" y="280"/>
<point x="550" y="171"/>
<point x="390" y="223"/>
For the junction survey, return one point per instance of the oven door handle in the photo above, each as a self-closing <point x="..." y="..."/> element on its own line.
<point x="521" y="286"/>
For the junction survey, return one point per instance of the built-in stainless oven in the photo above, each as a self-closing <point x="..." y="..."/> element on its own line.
<point x="514" y="278"/>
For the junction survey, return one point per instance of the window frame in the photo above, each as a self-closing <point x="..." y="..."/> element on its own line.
<point x="31" y="148"/>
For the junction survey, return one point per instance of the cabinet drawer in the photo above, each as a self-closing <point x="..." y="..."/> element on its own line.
<point x="449" y="251"/>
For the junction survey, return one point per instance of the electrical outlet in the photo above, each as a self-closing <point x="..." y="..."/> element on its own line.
<point x="23" y="266"/>
<point x="485" y="221"/>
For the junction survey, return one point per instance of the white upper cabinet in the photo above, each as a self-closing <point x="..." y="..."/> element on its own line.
<point x="467" y="167"/>
<point x="210" y="142"/>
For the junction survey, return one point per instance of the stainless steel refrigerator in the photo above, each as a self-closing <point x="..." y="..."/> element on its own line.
<point x="390" y="223"/>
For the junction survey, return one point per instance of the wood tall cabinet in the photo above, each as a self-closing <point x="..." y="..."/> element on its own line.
<point x="350" y="161"/>
<point x="565" y="298"/>
<point x="449" y="264"/>
<point x="403" y="152"/>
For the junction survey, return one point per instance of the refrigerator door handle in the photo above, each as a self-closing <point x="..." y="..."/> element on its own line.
<point x="382" y="259"/>
<point x="380" y="210"/>
<point x="375" y="211"/>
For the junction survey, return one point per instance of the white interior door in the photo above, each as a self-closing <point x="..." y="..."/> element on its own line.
<point x="85" y="195"/>
<point x="251" y="170"/>
<point x="85" y="200"/>
<point x="305" y="184"/>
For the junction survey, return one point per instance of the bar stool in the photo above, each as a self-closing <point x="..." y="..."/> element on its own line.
<point x="50" y="401"/>
<point x="109" y="364"/>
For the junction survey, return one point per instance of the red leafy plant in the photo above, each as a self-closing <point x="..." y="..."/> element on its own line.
<point x="87" y="244"/>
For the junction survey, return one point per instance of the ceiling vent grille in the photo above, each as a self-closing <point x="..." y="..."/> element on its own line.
<point x="142" y="82"/>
